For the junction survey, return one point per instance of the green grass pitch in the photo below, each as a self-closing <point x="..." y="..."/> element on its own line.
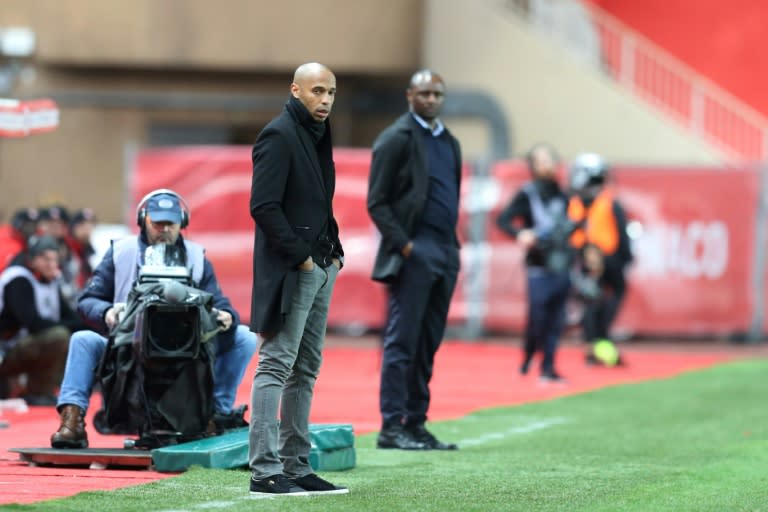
<point x="697" y="442"/>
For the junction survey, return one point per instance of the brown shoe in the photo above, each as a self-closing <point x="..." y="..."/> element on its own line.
<point x="71" y="433"/>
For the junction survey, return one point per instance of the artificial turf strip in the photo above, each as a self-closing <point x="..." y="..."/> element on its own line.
<point x="697" y="442"/>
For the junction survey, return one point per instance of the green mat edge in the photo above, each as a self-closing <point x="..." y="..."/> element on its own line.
<point x="332" y="450"/>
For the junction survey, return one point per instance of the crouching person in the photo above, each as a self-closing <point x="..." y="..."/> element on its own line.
<point x="35" y="321"/>
<point x="161" y="216"/>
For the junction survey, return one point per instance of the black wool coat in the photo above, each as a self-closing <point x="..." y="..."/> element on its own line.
<point x="397" y="190"/>
<point x="291" y="204"/>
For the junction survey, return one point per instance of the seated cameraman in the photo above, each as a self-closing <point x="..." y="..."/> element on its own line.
<point x="605" y="247"/>
<point x="161" y="215"/>
<point x="537" y="218"/>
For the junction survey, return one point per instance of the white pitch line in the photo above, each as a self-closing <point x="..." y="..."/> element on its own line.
<point x="204" y="505"/>
<point x="522" y="429"/>
<point x="225" y="504"/>
<point x="214" y="504"/>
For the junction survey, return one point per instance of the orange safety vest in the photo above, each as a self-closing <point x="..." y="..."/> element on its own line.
<point x="600" y="228"/>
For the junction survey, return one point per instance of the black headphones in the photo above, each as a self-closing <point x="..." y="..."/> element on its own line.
<point x="141" y="209"/>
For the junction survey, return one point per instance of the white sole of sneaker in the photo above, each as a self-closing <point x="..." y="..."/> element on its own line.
<point x="323" y="493"/>
<point x="262" y="495"/>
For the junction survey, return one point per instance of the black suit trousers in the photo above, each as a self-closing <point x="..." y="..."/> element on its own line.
<point x="418" y="310"/>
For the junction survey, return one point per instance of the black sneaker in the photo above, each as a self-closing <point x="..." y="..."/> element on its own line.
<point x="422" y="435"/>
<point x="276" y="485"/>
<point x="313" y="484"/>
<point x="395" y="437"/>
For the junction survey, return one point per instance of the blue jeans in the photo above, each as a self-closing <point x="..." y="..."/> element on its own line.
<point x="289" y="362"/>
<point x="547" y="296"/>
<point x="87" y="347"/>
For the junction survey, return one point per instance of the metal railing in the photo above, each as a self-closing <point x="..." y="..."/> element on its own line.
<point x="641" y="66"/>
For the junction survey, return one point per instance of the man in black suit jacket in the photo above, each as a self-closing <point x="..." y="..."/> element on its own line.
<point x="296" y="257"/>
<point x="413" y="198"/>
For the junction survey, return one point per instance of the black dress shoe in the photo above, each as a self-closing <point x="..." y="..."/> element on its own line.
<point x="551" y="376"/>
<point x="420" y="433"/>
<point x="234" y="419"/>
<point x="526" y="365"/>
<point x="397" y="438"/>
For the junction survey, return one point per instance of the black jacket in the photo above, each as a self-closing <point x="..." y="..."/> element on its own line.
<point x="291" y="205"/>
<point x="397" y="190"/>
<point x="623" y="255"/>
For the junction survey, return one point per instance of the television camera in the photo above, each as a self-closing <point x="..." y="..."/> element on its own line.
<point x="158" y="356"/>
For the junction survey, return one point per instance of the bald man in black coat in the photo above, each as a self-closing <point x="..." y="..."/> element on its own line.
<point x="296" y="258"/>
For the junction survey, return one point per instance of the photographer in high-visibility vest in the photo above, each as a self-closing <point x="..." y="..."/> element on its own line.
<point x="605" y="251"/>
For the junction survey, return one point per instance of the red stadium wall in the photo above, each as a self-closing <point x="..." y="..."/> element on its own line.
<point x="693" y="260"/>
<point x="723" y="41"/>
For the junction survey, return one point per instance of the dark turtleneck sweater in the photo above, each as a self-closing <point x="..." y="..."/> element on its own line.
<point x="320" y="133"/>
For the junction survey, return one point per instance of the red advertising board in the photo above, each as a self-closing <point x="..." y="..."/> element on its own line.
<point x="694" y="247"/>
<point x="694" y="258"/>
